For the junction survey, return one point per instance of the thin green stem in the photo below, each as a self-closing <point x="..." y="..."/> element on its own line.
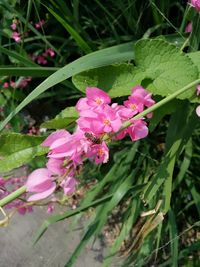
<point x="12" y="196"/>
<point x="127" y="123"/>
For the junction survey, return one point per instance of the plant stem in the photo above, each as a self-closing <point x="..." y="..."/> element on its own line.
<point x="154" y="107"/>
<point x="12" y="196"/>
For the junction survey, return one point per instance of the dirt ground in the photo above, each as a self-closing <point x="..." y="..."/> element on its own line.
<point x="52" y="250"/>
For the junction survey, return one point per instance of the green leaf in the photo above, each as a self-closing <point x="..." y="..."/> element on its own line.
<point x="195" y="57"/>
<point x="160" y="67"/>
<point x="17" y="149"/>
<point x="165" y="67"/>
<point x="65" y="118"/>
<point x="107" y="56"/>
<point x="117" y="80"/>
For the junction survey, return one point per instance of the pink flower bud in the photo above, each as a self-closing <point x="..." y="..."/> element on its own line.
<point x="41" y="183"/>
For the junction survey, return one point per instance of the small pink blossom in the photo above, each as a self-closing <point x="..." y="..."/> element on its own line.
<point x="39" y="24"/>
<point x="40" y="182"/>
<point x="104" y="121"/>
<point x="49" y="52"/>
<point x="41" y="60"/>
<point x="137" y="130"/>
<point x="54" y="136"/>
<point x="99" y="152"/>
<point x="198" y="90"/>
<point x="142" y="95"/>
<point x="95" y="98"/>
<point x="13" y="26"/>
<point x="50" y="208"/>
<point x="5" y="85"/>
<point x="72" y="147"/>
<point x="24" y="82"/>
<point x="188" y="28"/>
<point x="12" y="84"/>
<point x="2" y="181"/>
<point x="198" y="111"/>
<point x="195" y="4"/>
<point x="16" y="36"/>
<point x="134" y="105"/>
<point x="69" y="185"/>
<point x="55" y="166"/>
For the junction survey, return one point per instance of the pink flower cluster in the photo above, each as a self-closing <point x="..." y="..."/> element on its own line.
<point x="10" y="185"/>
<point x="195" y="4"/>
<point x="42" y="59"/>
<point x="15" y="35"/>
<point x="99" y="123"/>
<point x="99" y="118"/>
<point x="39" y="24"/>
<point x="22" y="83"/>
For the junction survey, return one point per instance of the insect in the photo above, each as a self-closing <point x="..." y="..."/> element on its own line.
<point x="92" y="138"/>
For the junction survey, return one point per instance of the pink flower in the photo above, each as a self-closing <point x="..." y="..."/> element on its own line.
<point x="24" y="82"/>
<point x="137" y="130"/>
<point x="198" y="111"/>
<point x="54" y="136"/>
<point x="49" y="52"/>
<point x="142" y="95"/>
<point x="195" y="4"/>
<point x="41" y="183"/>
<point x="39" y="24"/>
<point x="99" y="152"/>
<point x="50" y="208"/>
<point x="72" y="147"/>
<point x="134" y="105"/>
<point x="16" y="37"/>
<point x="2" y="181"/>
<point x="55" y="166"/>
<point x="101" y="121"/>
<point x="5" y="85"/>
<point x="69" y="185"/>
<point x="12" y="84"/>
<point x="188" y="28"/>
<point x="198" y="90"/>
<point x="95" y="98"/>
<point x="13" y="26"/>
<point x="41" y="60"/>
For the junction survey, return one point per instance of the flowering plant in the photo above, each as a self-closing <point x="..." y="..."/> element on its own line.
<point x="106" y="154"/>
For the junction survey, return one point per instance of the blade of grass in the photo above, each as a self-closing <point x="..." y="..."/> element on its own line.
<point x="27" y="71"/>
<point x="194" y="193"/>
<point x="75" y="35"/>
<point x="173" y="234"/>
<point x="127" y="226"/>
<point x="185" y="164"/>
<point x="119" y="53"/>
<point x="25" y="61"/>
